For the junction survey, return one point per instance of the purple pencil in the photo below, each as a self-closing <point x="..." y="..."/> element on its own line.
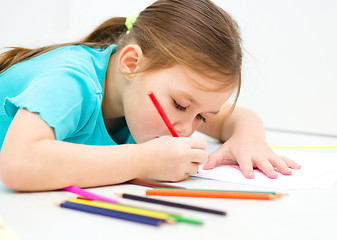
<point x="89" y="195"/>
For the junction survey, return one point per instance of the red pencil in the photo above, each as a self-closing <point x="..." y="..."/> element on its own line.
<point x="163" y="115"/>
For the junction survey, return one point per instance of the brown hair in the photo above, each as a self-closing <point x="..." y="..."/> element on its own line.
<point x="194" y="33"/>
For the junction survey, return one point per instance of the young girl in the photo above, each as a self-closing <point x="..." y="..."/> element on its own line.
<point x="71" y="112"/>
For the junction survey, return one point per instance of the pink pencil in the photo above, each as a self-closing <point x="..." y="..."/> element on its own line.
<point x="89" y="195"/>
<point x="163" y="115"/>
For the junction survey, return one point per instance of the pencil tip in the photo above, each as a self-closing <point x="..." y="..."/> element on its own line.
<point x="280" y="195"/>
<point x="171" y="221"/>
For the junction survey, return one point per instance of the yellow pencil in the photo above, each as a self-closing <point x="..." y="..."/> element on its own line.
<point x="123" y="208"/>
<point x="304" y="147"/>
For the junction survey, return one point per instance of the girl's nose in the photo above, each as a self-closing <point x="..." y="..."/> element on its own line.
<point x="184" y="129"/>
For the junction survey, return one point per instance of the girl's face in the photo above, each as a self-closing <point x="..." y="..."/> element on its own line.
<point x="186" y="104"/>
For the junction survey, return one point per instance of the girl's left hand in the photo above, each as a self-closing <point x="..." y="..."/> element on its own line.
<point x="249" y="154"/>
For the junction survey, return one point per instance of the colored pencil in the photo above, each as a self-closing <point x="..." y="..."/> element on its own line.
<point x="153" y="184"/>
<point x="131" y="203"/>
<point x="89" y="195"/>
<point x="167" y="216"/>
<point x="112" y="213"/>
<point x="171" y="204"/>
<point x="186" y="220"/>
<point x="163" y="114"/>
<point x="304" y="147"/>
<point x="209" y="194"/>
<point x="278" y="195"/>
<point x="124" y="208"/>
<point x="146" y="212"/>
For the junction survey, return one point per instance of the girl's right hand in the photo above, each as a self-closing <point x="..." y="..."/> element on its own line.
<point x="172" y="158"/>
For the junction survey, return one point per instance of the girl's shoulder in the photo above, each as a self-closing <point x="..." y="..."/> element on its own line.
<point x="72" y="63"/>
<point x="79" y="54"/>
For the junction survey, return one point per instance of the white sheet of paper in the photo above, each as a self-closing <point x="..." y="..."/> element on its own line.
<point x="6" y="233"/>
<point x="319" y="169"/>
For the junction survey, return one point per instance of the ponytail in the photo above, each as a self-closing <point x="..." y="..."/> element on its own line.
<point x="104" y="35"/>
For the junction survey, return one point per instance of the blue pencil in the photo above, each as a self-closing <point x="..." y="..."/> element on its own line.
<point x="113" y="213"/>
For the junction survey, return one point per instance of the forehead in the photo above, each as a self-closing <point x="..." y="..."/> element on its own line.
<point x="196" y="86"/>
<point x="198" y="89"/>
<point x="212" y="82"/>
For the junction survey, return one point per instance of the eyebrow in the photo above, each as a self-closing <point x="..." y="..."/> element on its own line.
<point x="192" y="100"/>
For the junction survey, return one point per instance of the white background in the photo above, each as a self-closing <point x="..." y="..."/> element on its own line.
<point x="290" y="71"/>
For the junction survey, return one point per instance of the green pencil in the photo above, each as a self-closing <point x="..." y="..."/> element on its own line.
<point x="186" y="220"/>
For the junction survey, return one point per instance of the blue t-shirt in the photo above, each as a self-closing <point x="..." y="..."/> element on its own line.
<point x="65" y="86"/>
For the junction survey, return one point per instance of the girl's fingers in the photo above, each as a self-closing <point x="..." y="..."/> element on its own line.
<point x="290" y="163"/>
<point x="265" y="166"/>
<point x="198" y="143"/>
<point x="246" y="167"/>
<point x="193" y="168"/>
<point x="213" y="159"/>
<point x="281" y="165"/>
<point x="263" y="162"/>
<point x="210" y="164"/>
<point x="217" y="157"/>
<point x="199" y="156"/>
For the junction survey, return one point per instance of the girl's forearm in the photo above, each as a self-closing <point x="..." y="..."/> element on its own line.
<point x="50" y="164"/>
<point x="243" y="122"/>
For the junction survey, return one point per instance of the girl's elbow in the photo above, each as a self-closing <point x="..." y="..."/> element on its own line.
<point x="6" y="175"/>
<point x="11" y="173"/>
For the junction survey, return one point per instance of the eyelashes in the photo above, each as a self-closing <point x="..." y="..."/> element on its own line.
<point x="200" y="117"/>
<point x="178" y="106"/>
<point x="183" y="109"/>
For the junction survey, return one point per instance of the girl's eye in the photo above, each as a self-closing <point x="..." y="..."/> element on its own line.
<point x="181" y="108"/>
<point x="200" y="117"/>
<point x="178" y="106"/>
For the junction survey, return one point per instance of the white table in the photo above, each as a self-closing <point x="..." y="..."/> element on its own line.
<point x="303" y="214"/>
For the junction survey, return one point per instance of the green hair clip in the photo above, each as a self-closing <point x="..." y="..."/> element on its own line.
<point x="130" y="20"/>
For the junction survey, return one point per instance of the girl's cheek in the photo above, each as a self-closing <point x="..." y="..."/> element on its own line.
<point x="157" y="127"/>
<point x="151" y="126"/>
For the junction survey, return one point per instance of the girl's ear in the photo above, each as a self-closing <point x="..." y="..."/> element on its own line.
<point x="129" y="60"/>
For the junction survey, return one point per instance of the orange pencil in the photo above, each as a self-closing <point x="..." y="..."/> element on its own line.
<point x="210" y="194"/>
<point x="277" y="195"/>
